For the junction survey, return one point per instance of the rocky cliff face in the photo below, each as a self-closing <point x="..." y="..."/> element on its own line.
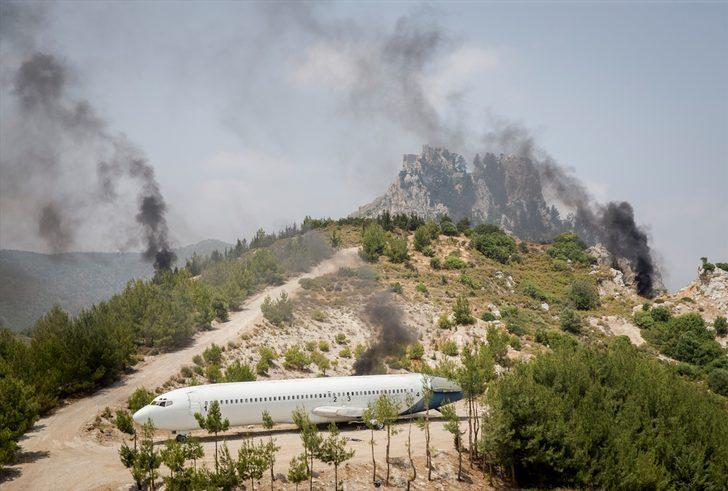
<point x="504" y="189"/>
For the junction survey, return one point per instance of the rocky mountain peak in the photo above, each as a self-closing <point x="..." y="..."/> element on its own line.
<point x="502" y="189"/>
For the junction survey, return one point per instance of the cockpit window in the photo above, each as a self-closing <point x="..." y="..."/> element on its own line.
<point x="162" y="403"/>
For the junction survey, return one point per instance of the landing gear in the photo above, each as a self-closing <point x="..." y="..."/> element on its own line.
<point x="181" y="438"/>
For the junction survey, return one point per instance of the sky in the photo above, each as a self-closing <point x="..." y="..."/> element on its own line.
<point x="256" y="115"/>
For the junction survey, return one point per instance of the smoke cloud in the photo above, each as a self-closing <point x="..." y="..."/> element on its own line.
<point x="62" y="169"/>
<point x="612" y="224"/>
<point x="391" y="334"/>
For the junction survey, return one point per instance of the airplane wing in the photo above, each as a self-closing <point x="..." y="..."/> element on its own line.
<point x="352" y="412"/>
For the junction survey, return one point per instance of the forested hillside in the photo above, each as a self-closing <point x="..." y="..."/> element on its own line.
<point x="32" y="283"/>
<point x="64" y="355"/>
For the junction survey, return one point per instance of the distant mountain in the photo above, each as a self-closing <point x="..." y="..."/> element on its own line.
<point x="504" y="189"/>
<point x="31" y="283"/>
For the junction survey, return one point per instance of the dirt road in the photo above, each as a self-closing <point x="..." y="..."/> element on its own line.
<point x="60" y="454"/>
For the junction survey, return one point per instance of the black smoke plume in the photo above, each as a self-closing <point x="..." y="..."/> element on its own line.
<point x="73" y="176"/>
<point x="612" y="224"/>
<point x="391" y="334"/>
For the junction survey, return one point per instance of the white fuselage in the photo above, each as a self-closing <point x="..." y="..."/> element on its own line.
<point x="324" y="399"/>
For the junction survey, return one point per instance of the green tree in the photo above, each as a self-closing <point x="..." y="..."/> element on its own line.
<point x="148" y="459"/>
<point x="279" y="311"/>
<point x="268" y="424"/>
<point x="584" y="295"/>
<point x="396" y="249"/>
<point x="373" y="242"/>
<point x="386" y="412"/>
<point x="309" y="437"/>
<point x="721" y="326"/>
<point x="570" y="321"/>
<point x="173" y="455"/>
<point x="718" y="381"/>
<point x="253" y="460"/>
<point x="333" y="451"/>
<point x="452" y="426"/>
<point x="296" y="358"/>
<point x="461" y="311"/>
<point x="369" y="417"/>
<point x="422" y="238"/>
<point x="298" y="470"/>
<point x="494" y="245"/>
<point x="124" y="423"/>
<point x="213" y="423"/>
<point x="239" y="372"/>
<point x="139" y="398"/>
<point x="18" y="413"/>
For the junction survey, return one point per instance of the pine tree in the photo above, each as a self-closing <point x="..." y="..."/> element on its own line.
<point x="369" y="417"/>
<point x="333" y="451"/>
<point x="452" y="425"/>
<point x="310" y="438"/>
<point x="272" y="447"/>
<point x="386" y="411"/>
<point x="214" y="424"/>
<point x="298" y="470"/>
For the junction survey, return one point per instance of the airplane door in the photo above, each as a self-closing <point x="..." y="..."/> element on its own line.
<point x="196" y="406"/>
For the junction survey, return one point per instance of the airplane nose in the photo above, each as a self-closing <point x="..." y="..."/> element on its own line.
<point x="143" y="415"/>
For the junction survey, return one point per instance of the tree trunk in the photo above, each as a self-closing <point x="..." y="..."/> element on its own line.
<point x="470" y="431"/>
<point x="428" y="456"/>
<point x="388" y="440"/>
<point x="460" y="464"/>
<point x="272" y="477"/>
<point x="310" y="475"/>
<point x="476" y="430"/>
<point x="336" y="477"/>
<point x="216" y="467"/>
<point x="374" y="461"/>
<point x="409" y="453"/>
<point x="252" y="484"/>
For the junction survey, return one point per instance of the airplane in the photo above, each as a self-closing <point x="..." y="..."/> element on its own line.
<point x="325" y="399"/>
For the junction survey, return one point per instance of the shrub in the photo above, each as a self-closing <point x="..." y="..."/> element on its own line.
<point x="454" y="262"/>
<point x="494" y="245"/>
<point x="422" y="238"/>
<point x="373" y="242"/>
<point x="468" y="280"/>
<point x="416" y="351"/>
<point x="421" y="288"/>
<point x="568" y="246"/>
<point x="213" y="354"/>
<point x="341" y="338"/>
<point x="310" y="345"/>
<point x="321" y="361"/>
<point x="461" y="311"/>
<point x="449" y="348"/>
<point x="708" y="267"/>
<point x="720" y="324"/>
<point x="523" y="247"/>
<point x="319" y="315"/>
<point x="723" y="266"/>
<point x="661" y="314"/>
<point x="323" y="345"/>
<point x="559" y="265"/>
<point x="296" y="358"/>
<point x="138" y="399"/>
<point x="396" y="249"/>
<point x="463" y="225"/>
<point x="570" y="321"/>
<point x="448" y="228"/>
<point x="584" y="295"/>
<point x="197" y="360"/>
<point x="345" y="352"/>
<point x="186" y="371"/>
<point x="213" y="373"/>
<point x="267" y="356"/>
<point x="435" y="263"/>
<point x="643" y="319"/>
<point x="444" y="322"/>
<point x="686" y="338"/>
<point x="533" y="291"/>
<point x="687" y="370"/>
<point x="718" y="381"/>
<point x="515" y="343"/>
<point x="239" y="372"/>
<point x="396" y="287"/>
<point x="278" y="311"/>
<point x="515" y="327"/>
<point x="487" y="316"/>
